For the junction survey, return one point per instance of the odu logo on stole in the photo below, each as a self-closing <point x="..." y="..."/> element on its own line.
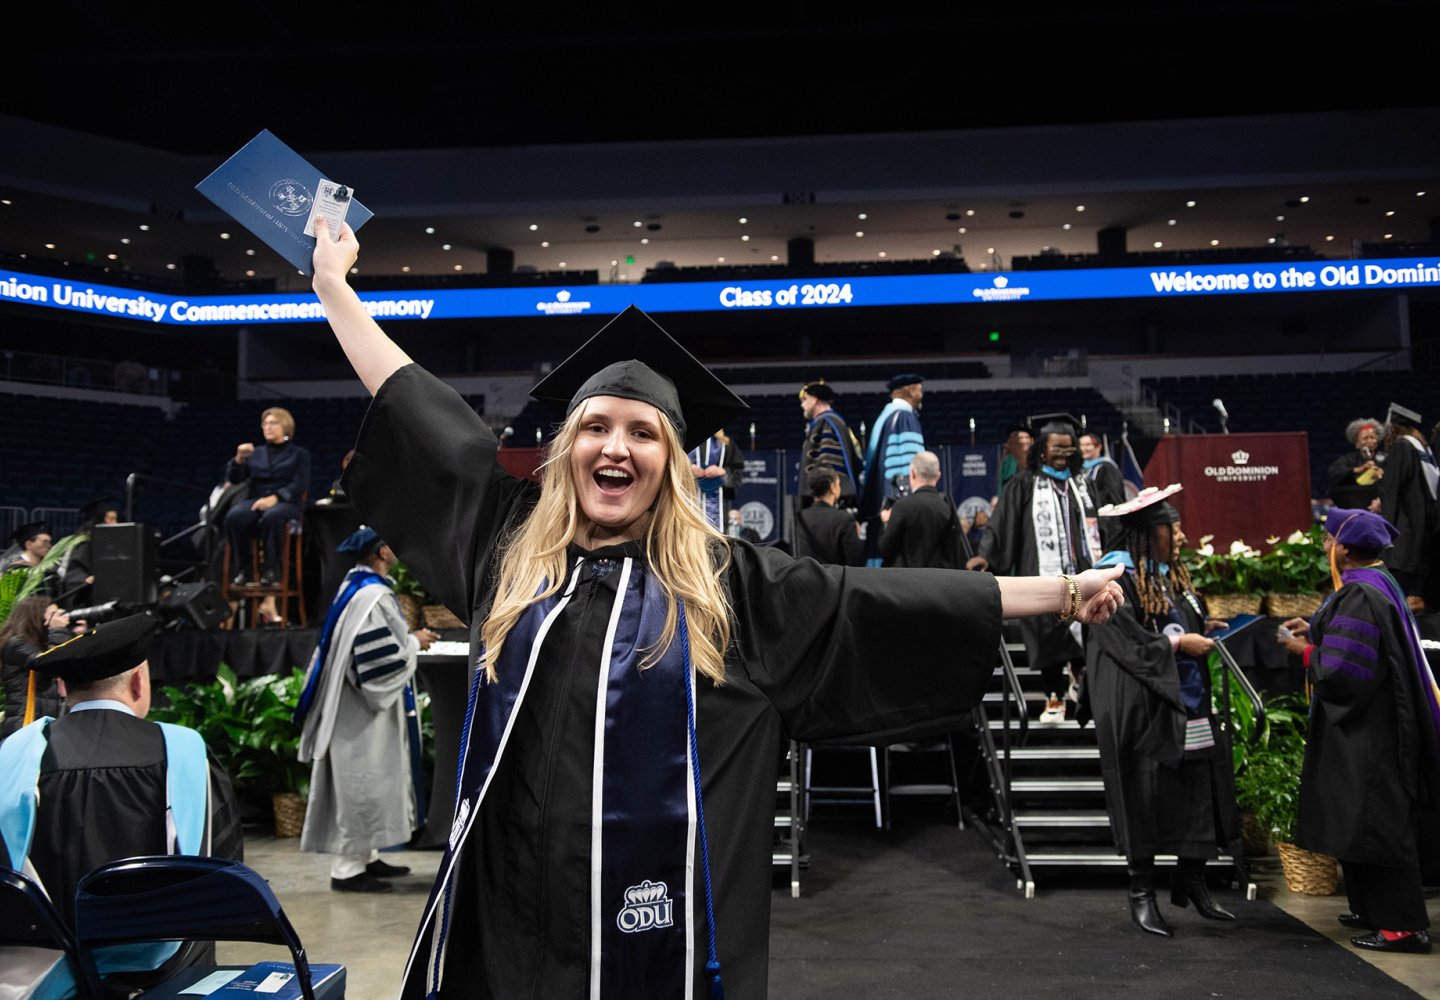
<point x="647" y="907"/>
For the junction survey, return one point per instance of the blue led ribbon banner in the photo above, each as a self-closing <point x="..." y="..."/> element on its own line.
<point x="734" y="296"/>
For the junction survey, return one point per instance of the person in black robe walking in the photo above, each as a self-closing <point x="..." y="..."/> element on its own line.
<point x="1169" y="783"/>
<point x="1372" y="753"/>
<point x="1408" y="501"/>
<point x="635" y="669"/>
<point x="923" y="528"/>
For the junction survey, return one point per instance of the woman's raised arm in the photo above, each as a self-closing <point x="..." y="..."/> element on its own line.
<point x="373" y="355"/>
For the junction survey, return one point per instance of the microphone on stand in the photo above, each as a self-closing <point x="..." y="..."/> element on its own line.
<point x="1224" y="415"/>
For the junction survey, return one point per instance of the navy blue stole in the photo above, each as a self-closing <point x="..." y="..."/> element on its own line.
<point x="643" y="808"/>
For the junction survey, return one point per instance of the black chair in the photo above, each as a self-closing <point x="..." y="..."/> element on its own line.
<point x="180" y="897"/>
<point x="29" y="919"/>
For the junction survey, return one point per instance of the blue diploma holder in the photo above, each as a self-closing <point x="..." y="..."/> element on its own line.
<point x="269" y="189"/>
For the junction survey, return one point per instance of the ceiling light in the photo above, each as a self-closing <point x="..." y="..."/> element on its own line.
<point x="990" y="250"/>
<point x="882" y="253"/>
<point x="405" y="268"/>
<point x="745" y="239"/>
<point x="743" y="220"/>
<point x="354" y="270"/>
<point x="1214" y="243"/>
<point x="934" y="253"/>
<point x="1388" y="214"/>
<point x="720" y="260"/>
<point x="1066" y="227"/>
<point x="544" y="243"/>
<point x="224" y="236"/>
<point x="1304" y="199"/>
<point x="112" y="256"/>
<point x="638" y="223"/>
<point x="961" y="230"/>
<point x="1418" y="194"/>
<point x="970" y="212"/>
<point x="1190" y="203"/>
<point x="644" y="241"/>
<point x="429" y="230"/>
<point x="444" y="246"/>
<point x="1079" y="208"/>
<point x="1169" y="222"/>
<point x="614" y="263"/>
<point x="1330" y="239"/>
<point x="125" y="240"/>
<point x="1389" y="236"/>
<point x="859" y="233"/>
<point x="144" y="228"/>
<point x="1157" y="244"/>
<point x="6" y="201"/>
<point x="862" y="216"/>
<point x="49" y="246"/>
<point x="534" y="227"/>
<point x="250" y="274"/>
<point x="168" y="267"/>
<point x="563" y="264"/>
<point x="459" y="267"/>
<point x="1271" y="241"/>
<point x="1279" y="218"/>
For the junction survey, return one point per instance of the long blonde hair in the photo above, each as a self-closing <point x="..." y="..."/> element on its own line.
<point x="680" y="546"/>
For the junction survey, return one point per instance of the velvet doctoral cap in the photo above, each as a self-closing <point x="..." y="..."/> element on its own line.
<point x="103" y="651"/>
<point x="902" y="380"/>
<point x="633" y="357"/>
<point x="364" y="542"/>
<point x="1360" y="528"/>
<point x="819" y="390"/>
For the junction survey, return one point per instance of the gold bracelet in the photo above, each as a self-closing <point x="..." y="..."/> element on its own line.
<point x="1070" y="601"/>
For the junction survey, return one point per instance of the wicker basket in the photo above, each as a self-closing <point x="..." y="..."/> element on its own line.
<point x="1308" y="872"/>
<point x="410" y="608"/>
<point x="437" y="616"/>
<point x="289" y="813"/>
<point x="1230" y="605"/>
<point x="1292" y="605"/>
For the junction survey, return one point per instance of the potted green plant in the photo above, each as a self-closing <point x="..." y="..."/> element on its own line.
<point x="1296" y="573"/>
<point x="1268" y="785"/>
<point x="1230" y="581"/>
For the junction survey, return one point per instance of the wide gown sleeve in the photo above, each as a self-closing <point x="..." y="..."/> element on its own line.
<point x="425" y="476"/>
<point x="1352" y="661"/>
<point x="862" y="654"/>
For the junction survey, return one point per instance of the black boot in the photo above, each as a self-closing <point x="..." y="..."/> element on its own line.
<point x="1144" y="911"/>
<point x="1189" y="886"/>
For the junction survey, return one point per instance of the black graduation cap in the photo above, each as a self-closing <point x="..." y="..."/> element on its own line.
<point x="25" y="532"/>
<point x="1053" y="423"/>
<point x="634" y="358"/>
<point x="103" y="651"/>
<point x="1402" y="416"/>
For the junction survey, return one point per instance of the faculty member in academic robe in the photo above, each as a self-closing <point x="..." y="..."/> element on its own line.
<point x="359" y="724"/>
<point x="1372" y="756"/>
<point x="635" y="668"/>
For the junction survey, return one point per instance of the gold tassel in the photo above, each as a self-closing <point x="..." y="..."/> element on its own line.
<point x="30" y="700"/>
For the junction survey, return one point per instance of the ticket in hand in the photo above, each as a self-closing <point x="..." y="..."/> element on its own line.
<point x="331" y="203"/>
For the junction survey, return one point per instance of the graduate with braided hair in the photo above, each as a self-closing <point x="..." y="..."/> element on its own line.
<point x="1169" y="787"/>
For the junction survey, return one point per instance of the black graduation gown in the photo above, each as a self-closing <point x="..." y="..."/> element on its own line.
<point x="102" y="797"/>
<point x="924" y="530"/>
<point x="1159" y="801"/>
<point x="1405" y="502"/>
<point x="14" y="657"/>
<point x="1370" y="762"/>
<point x="828" y="534"/>
<point x="1008" y="545"/>
<point x="818" y="652"/>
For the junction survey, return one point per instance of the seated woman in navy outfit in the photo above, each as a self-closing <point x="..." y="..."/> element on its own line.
<point x="278" y="472"/>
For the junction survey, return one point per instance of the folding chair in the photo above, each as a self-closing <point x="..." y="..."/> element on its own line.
<point x="31" y="927"/>
<point x="178" y="897"/>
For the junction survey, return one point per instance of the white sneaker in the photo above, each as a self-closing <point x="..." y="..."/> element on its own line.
<point x="1054" y="712"/>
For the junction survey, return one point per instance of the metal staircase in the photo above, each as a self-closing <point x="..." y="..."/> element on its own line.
<point x="1047" y="805"/>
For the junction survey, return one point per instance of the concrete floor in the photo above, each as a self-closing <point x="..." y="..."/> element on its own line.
<point x="371" y="934"/>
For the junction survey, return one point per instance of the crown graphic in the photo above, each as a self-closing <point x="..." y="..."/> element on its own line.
<point x="1001" y="281"/>
<point x="645" y="892"/>
<point x="1240" y="457"/>
<point x="563" y="295"/>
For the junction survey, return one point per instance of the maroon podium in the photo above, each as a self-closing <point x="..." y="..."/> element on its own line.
<point x="1247" y="486"/>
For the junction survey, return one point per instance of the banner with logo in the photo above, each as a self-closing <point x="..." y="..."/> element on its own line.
<point x="971" y="475"/>
<point x="1237" y="486"/>
<point x="760" y="497"/>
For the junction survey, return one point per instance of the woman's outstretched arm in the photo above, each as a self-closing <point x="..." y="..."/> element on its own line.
<point x="373" y="355"/>
<point x="1100" y="595"/>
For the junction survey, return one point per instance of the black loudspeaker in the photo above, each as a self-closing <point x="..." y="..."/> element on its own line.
<point x="123" y="556"/>
<point x="200" y="605"/>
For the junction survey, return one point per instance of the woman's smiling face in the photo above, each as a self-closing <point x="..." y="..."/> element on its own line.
<point x="617" y="462"/>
